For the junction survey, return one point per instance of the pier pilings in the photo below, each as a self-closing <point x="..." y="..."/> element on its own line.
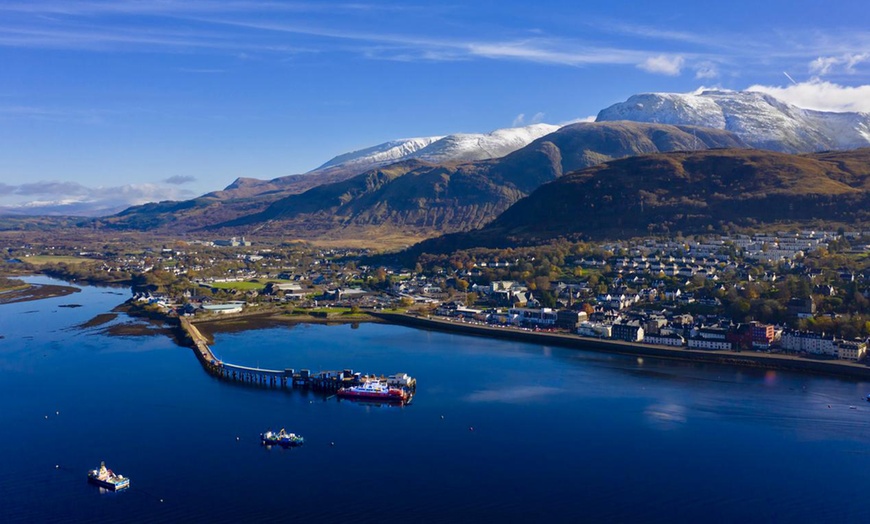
<point x="323" y="381"/>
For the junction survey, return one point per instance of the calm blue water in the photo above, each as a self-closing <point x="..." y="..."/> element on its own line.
<point x="558" y="435"/>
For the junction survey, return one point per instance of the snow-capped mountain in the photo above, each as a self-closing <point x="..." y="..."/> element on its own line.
<point x="759" y="119"/>
<point x="459" y="147"/>
<point x="386" y="153"/>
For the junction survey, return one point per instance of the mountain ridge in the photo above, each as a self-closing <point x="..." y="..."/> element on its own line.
<point x="761" y="120"/>
<point x="431" y="198"/>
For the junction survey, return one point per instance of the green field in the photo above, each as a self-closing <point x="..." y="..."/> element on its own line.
<point x="240" y="286"/>
<point x="41" y="260"/>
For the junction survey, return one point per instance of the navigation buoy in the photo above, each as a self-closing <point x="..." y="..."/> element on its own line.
<point x="237" y="439"/>
<point x="332" y="443"/>
<point x="57" y="412"/>
<point x="57" y="466"/>
<point x="46" y="417"/>
<point x="470" y="428"/>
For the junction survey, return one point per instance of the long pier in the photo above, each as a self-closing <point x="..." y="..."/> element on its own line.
<point x="326" y="381"/>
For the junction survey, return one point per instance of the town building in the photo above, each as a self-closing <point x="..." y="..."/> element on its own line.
<point x="630" y="332"/>
<point x="670" y="339"/>
<point x="809" y="342"/>
<point x="851" y="349"/>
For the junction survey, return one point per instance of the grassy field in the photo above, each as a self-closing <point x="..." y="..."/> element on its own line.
<point x="241" y="286"/>
<point x="41" y="260"/>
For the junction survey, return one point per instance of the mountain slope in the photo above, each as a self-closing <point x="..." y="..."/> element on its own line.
<point x="691" y="192"/>
<point x="250" y="195"/>
<point x="760" y="120"/>
<point x="423" y="199"/>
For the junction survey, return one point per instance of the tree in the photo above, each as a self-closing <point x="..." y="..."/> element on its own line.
<point x="547" y="299"/>
<point x="406" y="302"/>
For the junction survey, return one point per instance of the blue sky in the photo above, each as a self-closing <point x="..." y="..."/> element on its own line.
<point x="134" y="101"/>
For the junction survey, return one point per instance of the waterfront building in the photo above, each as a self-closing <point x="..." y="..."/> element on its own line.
<point x="542" y="317"/>
<point x="809" y="342"/>
<point x="670" y="339"/>
<point x="709" y="343"/>
<point x="851" y="349"/>
<point x="630" y="332"/>
<point x="762" y="335"/>
<point x="594" y="329"/>
<point x="224" y="309"/>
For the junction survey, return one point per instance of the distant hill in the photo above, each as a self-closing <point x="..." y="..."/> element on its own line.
<point x="420" y="199"/>
<point x="690" y="192"/>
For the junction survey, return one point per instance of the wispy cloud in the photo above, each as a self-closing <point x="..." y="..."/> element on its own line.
<point x="261" y="26"/>
<point x="51" y="114"/>
<point x="65" y="189"/>
<point x="846" y="62"/>
<point x="67" y="197"/>
<point x="180" y="179"/>
<point x="111" y="27"/>
<point x="521" y="120"/>
<point x="671" y="65"/>
<point x="821" y="95"/>
<point x="706" y="71"/>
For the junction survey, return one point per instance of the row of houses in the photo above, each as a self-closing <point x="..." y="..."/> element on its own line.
<point x="752" y="335"/>
<point x="679" y="331"/>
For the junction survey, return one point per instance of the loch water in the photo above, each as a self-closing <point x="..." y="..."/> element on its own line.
<point x="498" y="431"/>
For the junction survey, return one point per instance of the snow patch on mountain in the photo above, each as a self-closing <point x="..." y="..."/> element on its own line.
<point x="482" y="146"/>
<point x="759" y="119"/>
<point x="459" y="147"/>
<point x="386" y="153"/>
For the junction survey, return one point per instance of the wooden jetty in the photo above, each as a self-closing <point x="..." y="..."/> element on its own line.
<point x="325" y="381"/>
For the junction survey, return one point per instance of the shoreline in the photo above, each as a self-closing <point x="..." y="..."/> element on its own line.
<point x="237" y="322"/>
<point x="744" y="359"/>
<point x="755" y="360"/>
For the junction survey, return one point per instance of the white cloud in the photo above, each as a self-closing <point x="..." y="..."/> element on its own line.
<point x="520" y="119"/>
<point x="670" y="65"/>
<point x="821" y="95"/>
<point x="53" y="197"/>
<point x="706" y="71"/>
<point x="824" y="65"/>
<point x="590" y="118"/>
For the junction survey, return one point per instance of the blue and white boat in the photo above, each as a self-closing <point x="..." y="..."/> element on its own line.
<point x="282" y="438"/>
<point x="108" y="479"/>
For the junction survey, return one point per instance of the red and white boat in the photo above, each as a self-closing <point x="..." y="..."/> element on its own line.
<point x="374" y="391"/>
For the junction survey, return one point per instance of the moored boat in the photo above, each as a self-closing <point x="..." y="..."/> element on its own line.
<point x="106" y="478"/>
<point x="374" y="391"/>
<point x="281" y="438"/>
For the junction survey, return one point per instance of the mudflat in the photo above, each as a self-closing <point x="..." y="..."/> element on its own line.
<point x="36" y="292"/>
